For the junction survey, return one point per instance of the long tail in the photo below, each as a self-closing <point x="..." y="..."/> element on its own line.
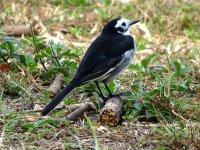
<point x="59" y="97"/>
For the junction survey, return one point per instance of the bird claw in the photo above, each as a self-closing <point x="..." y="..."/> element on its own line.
<point x="104" y="99"/>
<point x="118" y="94"/>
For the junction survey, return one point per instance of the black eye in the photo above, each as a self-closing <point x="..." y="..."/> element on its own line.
<point x="123" y="24"/>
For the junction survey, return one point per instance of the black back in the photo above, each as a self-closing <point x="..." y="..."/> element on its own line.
<point x="103" y="54"/>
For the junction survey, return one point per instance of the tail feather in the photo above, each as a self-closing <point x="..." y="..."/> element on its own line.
<point x="59" y="97"/>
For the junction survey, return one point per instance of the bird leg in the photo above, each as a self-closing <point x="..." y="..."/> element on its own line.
<point x="107" y="88"/>
<point x="100" y="92"/>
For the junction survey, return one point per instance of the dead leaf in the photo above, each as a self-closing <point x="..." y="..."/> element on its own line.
<point x="5" y="67"/>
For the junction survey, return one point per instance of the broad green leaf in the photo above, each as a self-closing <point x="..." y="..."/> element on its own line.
<point x="29" y="125"/>
<point x="2" y="33"/>
<point x="177" y="67"/>
<point x="188" y="82"/>
<point x="29" y="58"/>
<point x="185" y="70"/>
<point x="40" y="123"/>
<point x="136" y="67"/>
<point x="48" y="51"/>
<point x="128" y="94"/>
<point x="40" y="46"/>
<point x="69" y="54"/>
<point x="53" y="70"/>
<point x="70" y="101"/>
<point x="178" y="87"/>
<point x="138" y="106"/>
<point x="30" y="62"/>
<point x="112" y="86"/>
<point x="190" y="106"/>
<point x="8" y="47"/>
<point x="20" y="58"/>
<point x="157" y="76"/>
<point x="145" y="62"/>
<point x="136" y="87"/>
<point x="150" y="112"/>
<point x="141" y="43"/>
<point x="11" y="40"/>
<point x="162" y="148"/>
<point x="25" y="59"/>
<point x="3" y="52"/>
<point x="195" y="106"/>
<point x="132" y="115"/>
<point x="58" y="47"/>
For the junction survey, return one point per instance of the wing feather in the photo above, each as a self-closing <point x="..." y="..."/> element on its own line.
<point x="102" y="55"/>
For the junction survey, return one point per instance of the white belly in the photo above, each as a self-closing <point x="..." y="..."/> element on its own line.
<point x="119" y="68"/>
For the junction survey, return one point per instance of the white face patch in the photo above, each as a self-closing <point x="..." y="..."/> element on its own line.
<point x="124" y="24"/>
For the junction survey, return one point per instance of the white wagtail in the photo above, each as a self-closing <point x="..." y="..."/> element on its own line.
<point x="106" y="58"/>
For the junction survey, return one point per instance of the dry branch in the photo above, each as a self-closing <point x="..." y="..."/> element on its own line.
<point x="69" y="108"/>
<point x="85" y="107"/>
<point x="17" y="30"/>
<point x="56" y="85"/>
<point x="111" y="113"/>
<point x="40" y="110"/>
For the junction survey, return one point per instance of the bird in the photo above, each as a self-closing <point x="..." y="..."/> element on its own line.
<point x="106" y="58"/>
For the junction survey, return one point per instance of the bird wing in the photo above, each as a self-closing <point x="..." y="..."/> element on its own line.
<point x="102" y="55"/>
<point x="102" y="69"/>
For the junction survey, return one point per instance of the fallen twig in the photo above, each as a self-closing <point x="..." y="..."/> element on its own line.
<point x="56" y="85"/>
<point x="156" y="67"/>
<point x="111" y="113"/>
<point x="17" y="30"/>
<point x="88" y="106"/>
<point x="69" y="108"/>
<point x="40" y="110"/>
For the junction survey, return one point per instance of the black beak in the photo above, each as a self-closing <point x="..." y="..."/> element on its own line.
<point x="134" y="22"/>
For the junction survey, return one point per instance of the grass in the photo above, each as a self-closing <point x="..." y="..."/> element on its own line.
<point x="162" y="105"/>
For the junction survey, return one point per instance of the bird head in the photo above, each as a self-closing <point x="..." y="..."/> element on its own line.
<point x="119" y="25"/>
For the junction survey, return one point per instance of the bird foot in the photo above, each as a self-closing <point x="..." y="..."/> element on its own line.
<point x="118" y="94"/>
<point x="104" y="99"/>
